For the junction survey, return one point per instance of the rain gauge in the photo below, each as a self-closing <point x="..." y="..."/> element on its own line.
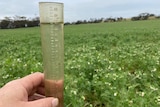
<point x="52" y="39"/>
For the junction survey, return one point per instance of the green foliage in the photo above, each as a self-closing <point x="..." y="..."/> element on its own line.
<point x="106" y="64"/>
<point x="20" y="53"/>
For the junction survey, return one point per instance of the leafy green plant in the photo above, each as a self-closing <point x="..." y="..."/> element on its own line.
<point x="106" y="64"/>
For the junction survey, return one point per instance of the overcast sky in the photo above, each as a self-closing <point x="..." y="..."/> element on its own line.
<point x="82" y="9"/>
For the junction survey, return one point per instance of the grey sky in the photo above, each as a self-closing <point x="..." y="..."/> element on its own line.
<point x="82" y="9"/>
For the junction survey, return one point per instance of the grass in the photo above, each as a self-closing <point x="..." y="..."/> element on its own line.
<point x="106" y="64"/>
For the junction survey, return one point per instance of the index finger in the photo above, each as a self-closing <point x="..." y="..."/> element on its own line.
<point x="32" y="81"/>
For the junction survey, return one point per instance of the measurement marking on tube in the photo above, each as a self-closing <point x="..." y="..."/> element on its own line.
<point x="53" y="13"/>
<point x="54" y="47"/>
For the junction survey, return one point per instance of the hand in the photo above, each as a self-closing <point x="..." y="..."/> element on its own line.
<point x="26" y="92"/>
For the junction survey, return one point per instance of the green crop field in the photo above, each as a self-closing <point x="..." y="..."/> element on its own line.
<point x="106" y="64"/>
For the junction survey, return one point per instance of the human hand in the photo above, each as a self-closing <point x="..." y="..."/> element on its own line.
<point x="26" y="92"/>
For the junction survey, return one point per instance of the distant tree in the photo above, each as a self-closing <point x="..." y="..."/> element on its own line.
<point x="92" y="20"/>
<point x="135" y="18"/>
<point x="99" y="20"/>
<point x="20" y="23"/>
<point x="84" y="21"/>
<point x="7" y="22"/>
<point x="34" y="22"/>
<point x="144" y="16"/>
<point x="152" y="15"/>
<point x="67" y="23"/>
<point x="119" y="18"/>
<point x="110" y="19"/>
<point x="141" y="16"/>
<point x="79" y="22"/>
<point x="4" y="24"/>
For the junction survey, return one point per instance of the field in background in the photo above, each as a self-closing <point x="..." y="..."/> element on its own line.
<point x="106" y="64"/>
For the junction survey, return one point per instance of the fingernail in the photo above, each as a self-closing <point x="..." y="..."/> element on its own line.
<point x="55" y="102"/>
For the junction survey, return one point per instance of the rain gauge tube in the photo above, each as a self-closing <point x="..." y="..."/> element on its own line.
<point x="51" y="24"/>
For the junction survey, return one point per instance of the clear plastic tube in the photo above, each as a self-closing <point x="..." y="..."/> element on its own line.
<point x="51" y="23"/>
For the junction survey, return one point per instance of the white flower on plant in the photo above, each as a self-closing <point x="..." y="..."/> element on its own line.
<point x="131" y="102"/>
<point x="74" y="92"/>
<point x="83" y="97"/>
<point x="88" y="63"/>
<point x="153" y="70"/>
<point x="19" y="60"/>
<point x="153" y="88"/>
<point x="115" y="94"/>
<point x="25" y="65"/>
<point x="142" y="94"/>
<point x="107" y="83"/>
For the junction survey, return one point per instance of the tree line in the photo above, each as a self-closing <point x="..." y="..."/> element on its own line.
<point x="97" y="20"/>
<point x="22" y="21"/>
<point x="18" y="22"/>
<point x="141" y="16"/>
<point x="144" y="16"/>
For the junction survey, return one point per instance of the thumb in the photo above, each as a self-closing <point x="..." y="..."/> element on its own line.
<point x="45" y="102"/>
